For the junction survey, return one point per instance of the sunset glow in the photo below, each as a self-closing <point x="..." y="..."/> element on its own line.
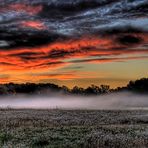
<point x="42" y="42"/>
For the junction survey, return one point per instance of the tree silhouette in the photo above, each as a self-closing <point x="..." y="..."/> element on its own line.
<point x="77" y="90"/>
<point x="139" y="86"/>
<point x="104" y="89"/>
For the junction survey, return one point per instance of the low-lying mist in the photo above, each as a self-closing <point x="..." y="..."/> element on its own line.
<point x="124" y="100"/>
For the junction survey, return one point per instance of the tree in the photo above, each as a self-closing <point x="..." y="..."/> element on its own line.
<point x="3" y="90"/>
<point x="65" y="89"/>
<point x="138" y="85"/>
<point x="104" y="89"/>
<point x="92" y="90"/>
<point x="77" y="90"/>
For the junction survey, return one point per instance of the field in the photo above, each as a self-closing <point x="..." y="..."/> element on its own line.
<point x="28" y="128"/>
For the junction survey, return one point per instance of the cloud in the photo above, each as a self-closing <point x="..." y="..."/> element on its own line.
<point x="33" y="24"/>
<point x="59" y="52"/>
<point x="58" y="76"/>
<point x="129" y="39"/>
<point x="108" y="60"/>
<point x="22" y="8"/>
<point x="34" y="35"/>
<point x="49" y="35"/>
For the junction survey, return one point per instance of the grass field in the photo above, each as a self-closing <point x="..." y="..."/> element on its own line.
<point x="30" y="128"/>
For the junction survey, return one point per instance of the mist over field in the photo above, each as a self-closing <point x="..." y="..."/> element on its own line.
<point x="126" y="100"/>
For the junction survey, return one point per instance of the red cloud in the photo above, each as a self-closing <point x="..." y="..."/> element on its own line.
<point x="32" y="10"/>
<point x="33" y="24"/>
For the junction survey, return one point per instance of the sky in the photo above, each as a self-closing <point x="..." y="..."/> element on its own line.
<point x="74" y="42"/>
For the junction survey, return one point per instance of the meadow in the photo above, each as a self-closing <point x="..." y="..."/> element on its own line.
<point x="55" y="128"/>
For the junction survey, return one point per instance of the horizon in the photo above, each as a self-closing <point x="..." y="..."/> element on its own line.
<point x="74" y="85"/>
<point x="139" y="86"/>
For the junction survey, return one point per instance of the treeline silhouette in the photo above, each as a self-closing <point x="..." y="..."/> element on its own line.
<point x="138" y="86"/>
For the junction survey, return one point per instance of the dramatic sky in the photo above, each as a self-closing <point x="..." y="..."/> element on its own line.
<point x="73" y="42"/>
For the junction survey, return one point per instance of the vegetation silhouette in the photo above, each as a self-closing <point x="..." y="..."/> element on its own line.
<point x="138" y="86"/>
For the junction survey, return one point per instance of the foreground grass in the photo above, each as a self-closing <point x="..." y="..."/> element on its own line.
<point x="73" y="129"/>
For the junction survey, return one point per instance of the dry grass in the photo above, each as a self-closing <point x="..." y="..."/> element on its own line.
<point x="73" y="128"/>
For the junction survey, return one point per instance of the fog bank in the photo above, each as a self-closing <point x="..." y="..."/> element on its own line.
<point x="124" y="100"/>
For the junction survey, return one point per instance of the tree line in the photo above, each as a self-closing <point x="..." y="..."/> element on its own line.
<point x="139" y="86"/>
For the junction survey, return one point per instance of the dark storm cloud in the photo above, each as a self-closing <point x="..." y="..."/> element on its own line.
<point x="129" y="39"/>
<point x="60" y="9"/>
<point x="21" y="38"/>
<point x="61" y="19"/>
<point x="122" y="26"/>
